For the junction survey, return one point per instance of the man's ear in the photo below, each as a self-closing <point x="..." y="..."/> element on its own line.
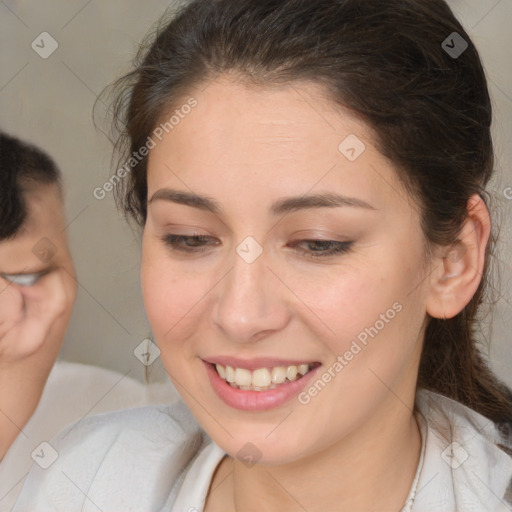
<point x="458" y="268"/>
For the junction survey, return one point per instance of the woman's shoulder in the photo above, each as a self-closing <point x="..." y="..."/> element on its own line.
<point x="467" y="455"/>
<point x="125" y="460"/>
<point x="151" y="425"/>
<point x="449" y="418"/>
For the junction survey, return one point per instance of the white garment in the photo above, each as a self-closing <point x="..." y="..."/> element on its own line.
<point x="159" y="459"/>
<point x="72" y="392"/>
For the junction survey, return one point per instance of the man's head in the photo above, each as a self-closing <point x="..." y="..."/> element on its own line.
<point x="32" y="223"/>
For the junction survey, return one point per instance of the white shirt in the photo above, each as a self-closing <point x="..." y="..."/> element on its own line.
<point x="158" y="459"/>
<point x="72" y="392"/>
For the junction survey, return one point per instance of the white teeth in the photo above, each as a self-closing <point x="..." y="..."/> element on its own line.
<point x="303" y="369"/>
<point x="242" y="377"/>
<point x="230" y="374"/>
<point x="278" y="374"/>
<point x="261" y="379"/>
<point x="221" y="370"/>
<point x="291" y="373"/>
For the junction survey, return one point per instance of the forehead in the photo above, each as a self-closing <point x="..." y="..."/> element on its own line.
<point x="241" y="115"/>
<point x="43" y="232"/>
<point x="259" y="140"/>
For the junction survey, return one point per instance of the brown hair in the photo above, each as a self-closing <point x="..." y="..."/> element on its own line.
<point x="386" y="62"/>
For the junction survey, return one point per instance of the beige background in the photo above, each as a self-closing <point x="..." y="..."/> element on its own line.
<point x="49" y="101"/>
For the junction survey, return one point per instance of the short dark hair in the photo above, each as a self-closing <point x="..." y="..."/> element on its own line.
<point x="21" y="164"/>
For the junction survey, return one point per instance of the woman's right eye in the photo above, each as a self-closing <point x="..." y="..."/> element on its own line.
<point x="187" y="243"/>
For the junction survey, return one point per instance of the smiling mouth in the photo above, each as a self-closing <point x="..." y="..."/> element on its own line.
<point x="262" y="379"/>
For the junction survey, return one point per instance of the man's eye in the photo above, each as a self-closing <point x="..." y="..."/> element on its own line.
<point x="24" y="279"/>
<point x="322" y="248"/>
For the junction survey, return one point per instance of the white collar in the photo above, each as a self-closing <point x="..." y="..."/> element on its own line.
<point x="192" y="494"/>
<point x="461" y="468"/>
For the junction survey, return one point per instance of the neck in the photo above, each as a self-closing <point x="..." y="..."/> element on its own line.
<point x="375" y="464"/>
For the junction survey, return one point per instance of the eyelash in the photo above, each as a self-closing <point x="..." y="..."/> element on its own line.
<point x="335" y="246"/>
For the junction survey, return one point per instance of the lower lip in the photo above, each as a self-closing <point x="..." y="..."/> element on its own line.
<point x="256" y="400"/>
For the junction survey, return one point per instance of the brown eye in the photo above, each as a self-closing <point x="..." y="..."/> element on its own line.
<point x="323" y="248"/>
<point x="187" y="243"/>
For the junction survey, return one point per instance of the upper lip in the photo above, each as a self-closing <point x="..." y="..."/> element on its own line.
<point x="255" y="363"/>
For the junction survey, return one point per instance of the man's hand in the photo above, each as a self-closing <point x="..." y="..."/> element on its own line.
<point x="27" y="314"/>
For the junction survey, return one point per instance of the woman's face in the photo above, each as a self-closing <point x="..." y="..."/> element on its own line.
<point x="287" y="277"/>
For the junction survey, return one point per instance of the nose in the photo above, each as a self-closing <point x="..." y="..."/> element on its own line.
<point x="250" y="303"/>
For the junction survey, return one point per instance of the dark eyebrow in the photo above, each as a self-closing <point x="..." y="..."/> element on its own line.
<point x="279" y="207"/>
<point x="186" y="198"/>
<point x="326" y="200"/>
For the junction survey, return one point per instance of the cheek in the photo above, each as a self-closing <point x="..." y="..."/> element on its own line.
<point x="344" y="303"/>
<point x="369" y="317"/>
<point x="172" y="298"/>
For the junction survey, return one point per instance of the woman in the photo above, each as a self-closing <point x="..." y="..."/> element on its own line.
<point x="310" y="180"/>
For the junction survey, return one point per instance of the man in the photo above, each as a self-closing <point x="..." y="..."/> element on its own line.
<point x="37" y="280"/>
<point x="37" y="292"/>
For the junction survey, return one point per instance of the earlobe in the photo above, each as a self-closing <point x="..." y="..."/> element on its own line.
<point x="458" y="268"/>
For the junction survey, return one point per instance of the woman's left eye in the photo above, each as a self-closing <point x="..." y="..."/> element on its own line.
<point x="316" y="248"/>
<point x="323" y="248"/>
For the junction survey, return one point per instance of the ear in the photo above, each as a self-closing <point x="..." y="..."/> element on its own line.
<point x="458" y="268"/>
